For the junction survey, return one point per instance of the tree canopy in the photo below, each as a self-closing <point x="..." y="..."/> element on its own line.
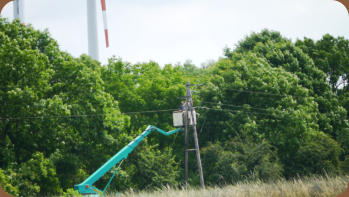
<point x="270" y="109"/>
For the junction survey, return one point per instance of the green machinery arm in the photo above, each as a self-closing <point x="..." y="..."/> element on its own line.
<point x="87" y="187"/>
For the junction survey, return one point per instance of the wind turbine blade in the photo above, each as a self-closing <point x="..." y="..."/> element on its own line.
<point x="104" y="11"/>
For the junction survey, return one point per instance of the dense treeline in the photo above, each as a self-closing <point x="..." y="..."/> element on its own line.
<point x="269" y="109"/>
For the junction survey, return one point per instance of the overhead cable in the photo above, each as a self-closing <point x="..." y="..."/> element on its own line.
<point x="81" y="115"/>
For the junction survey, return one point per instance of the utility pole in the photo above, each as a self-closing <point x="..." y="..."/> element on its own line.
<point x="190" y="109"/>
<point x="186" y="123"/>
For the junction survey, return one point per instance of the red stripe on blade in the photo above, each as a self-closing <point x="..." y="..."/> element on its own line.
<point x="103" y="5"/>
<point x="106" y="38"/>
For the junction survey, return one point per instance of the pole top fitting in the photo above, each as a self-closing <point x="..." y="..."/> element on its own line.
<point x="188" y="84"/>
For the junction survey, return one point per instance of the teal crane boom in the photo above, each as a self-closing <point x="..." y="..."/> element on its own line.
<point x="86" y="187"/>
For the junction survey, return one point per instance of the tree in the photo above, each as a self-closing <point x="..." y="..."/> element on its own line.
<point x="53" y="104"/>
<point x="331" y="55"/>
<point x="318" y="155"/>
<point x="7" y="182"/>
<point x="25" y="78"/>
<point x="240" y="160"/>
<point x="38" y="177"/>
<point x="146" y="88"/>
<point x="248" y="98"/>
<point x="280" y="52"/>
<point x="156" y="168"/>
<point x="266" y="110"/>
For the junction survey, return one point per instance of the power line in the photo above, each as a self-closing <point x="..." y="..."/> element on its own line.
<point x="140" y="112"/>
<point x="247" y="107"/>
<point x="50" y="117"/>
<point x="268" y="93"/>
<point x="236" y="106"/>
<point x="81" y="115"/>
<point x="151" y="111"/>
<point x="203" y="124"/>
<point x="259" y="92"/>
<point x="232" y="110"/>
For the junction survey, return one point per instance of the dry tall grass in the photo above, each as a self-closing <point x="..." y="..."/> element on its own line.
<point x="308" y="187"/>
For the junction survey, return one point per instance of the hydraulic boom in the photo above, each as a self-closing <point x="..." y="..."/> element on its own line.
<point x="87" y="187"/>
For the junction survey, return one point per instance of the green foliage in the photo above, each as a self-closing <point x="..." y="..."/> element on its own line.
<point x="24" y="78"/>
<point x="143" y="87"/>
<point x="156" y="168"/>
<point x="318" y="155"/>
<point x="7" y="181"/>
<point x="51" y="95"/>
<point x="344" y="165"/>
<point x="239" y="160"/>
<point x="38" y="177"/>
<point x="68" y="168"/>
<point x="71" y="193"/>
<point x="331" y="55"/>
<point x="273" y="106"/>
<point x="147" y="87"/>
<point x="281" y="52"/>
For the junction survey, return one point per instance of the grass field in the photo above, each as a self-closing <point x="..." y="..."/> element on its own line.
<point x="307" y="187"/>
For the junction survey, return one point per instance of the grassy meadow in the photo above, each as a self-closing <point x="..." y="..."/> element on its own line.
<point x="306" y="187"/>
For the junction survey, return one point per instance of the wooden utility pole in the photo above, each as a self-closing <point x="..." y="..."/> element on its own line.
<point x="190" y="109"/>
<point x="186" y="123"/>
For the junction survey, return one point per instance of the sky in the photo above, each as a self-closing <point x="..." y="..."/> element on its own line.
<point x="171" y="32"/>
